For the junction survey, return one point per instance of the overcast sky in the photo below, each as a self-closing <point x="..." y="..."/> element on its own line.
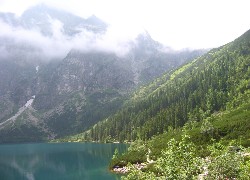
<point x="176" y="23"/>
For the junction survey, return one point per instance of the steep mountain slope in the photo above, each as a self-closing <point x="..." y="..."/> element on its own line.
<point x="213" y="83"/>
<point x="149" y="59"/>
<point x="21" y="59"/>
<point x="212" y="143"/>
<point x="26" y="69"/>
<point x="83" y="89"/>
<point x="71" y="94"/>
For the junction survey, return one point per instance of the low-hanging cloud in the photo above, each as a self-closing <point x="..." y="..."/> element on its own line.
<point x="59" y="44"/>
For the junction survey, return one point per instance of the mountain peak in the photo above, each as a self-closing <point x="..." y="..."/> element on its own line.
<point x="40" y="16"/>
<point x="93" y="19"/>
<point x="37" y="9"/>
<point x="147" y="43"/>
<point x="145" y="36"/>
<point x="9" y="18"/>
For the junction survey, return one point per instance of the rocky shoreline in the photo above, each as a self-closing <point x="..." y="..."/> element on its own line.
<point x="126" y="169"/>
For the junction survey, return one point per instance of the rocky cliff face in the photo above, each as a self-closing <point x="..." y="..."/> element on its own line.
<point x="70" y="94"/>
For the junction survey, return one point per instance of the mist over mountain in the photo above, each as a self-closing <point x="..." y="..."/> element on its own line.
<point x="210" y="87"/>
<point x="41" y="18"/>
<point x="49" y="29"/>
<point x="61" y="73"/>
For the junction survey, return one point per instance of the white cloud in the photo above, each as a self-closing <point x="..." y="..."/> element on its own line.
<point x="59" y="44"/>
<point x="179" y="23"/>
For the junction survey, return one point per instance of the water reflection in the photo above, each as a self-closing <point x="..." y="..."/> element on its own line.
<point x="56" y="161"/>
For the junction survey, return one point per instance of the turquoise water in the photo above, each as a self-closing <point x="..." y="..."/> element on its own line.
<point x="59" y="161"/>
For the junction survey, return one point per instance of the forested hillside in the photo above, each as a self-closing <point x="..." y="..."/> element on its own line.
<point x="213" y="83"/>
<point x="75" y="87"/>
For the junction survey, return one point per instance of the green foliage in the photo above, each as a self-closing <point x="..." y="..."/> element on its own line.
<point x="216" y="82"/>
<point x="226" y="164"/>
<point x="132" y="156"/>
<point x="116" y="154"/>
<point x="207" y="127"/>
<point x="137" y="145"/>
<point x="230" y="125"/>
<point x="180" y="160"/>
<point x="135" y="174"/>
<point x="22" y="134"/>
<point x="79" y="114"/>
<point x="177" y="161"/>
<point x="227" y="126"/>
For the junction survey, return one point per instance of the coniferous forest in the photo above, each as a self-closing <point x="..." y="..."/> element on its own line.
<point x="193" y="118"/>
<point x="214" y="83"/>
<point x="141" y="94"/>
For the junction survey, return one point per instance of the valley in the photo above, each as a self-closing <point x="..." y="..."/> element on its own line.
<point x="73" y="84"/>
<point x="76" y="90"/>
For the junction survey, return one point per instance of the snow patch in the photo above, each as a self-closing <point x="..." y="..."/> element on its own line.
<point x="29" y="102"/>
<point x="20" y="111"/>
<point x="37" y="69"/>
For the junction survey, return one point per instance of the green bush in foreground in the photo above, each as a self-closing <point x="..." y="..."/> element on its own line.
<point x="180" y="161"/>
<point x="227" y="163"/>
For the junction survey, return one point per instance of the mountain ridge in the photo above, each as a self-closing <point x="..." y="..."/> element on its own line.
<point x="202" y="87"/>
<point x="74" y="92"/>
<point x="40" y="17"/>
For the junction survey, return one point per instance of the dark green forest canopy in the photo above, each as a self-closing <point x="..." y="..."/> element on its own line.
<point x="213" y="83"/>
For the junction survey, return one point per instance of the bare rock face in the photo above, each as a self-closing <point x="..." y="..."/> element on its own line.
<point x="85" y="72"/>
<point x="70" y="94"/>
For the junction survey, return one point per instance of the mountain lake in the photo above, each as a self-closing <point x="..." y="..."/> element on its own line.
<point x="57" y="161"/>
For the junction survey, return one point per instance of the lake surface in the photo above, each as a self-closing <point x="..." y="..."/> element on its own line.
<point x="59" y="161"/>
